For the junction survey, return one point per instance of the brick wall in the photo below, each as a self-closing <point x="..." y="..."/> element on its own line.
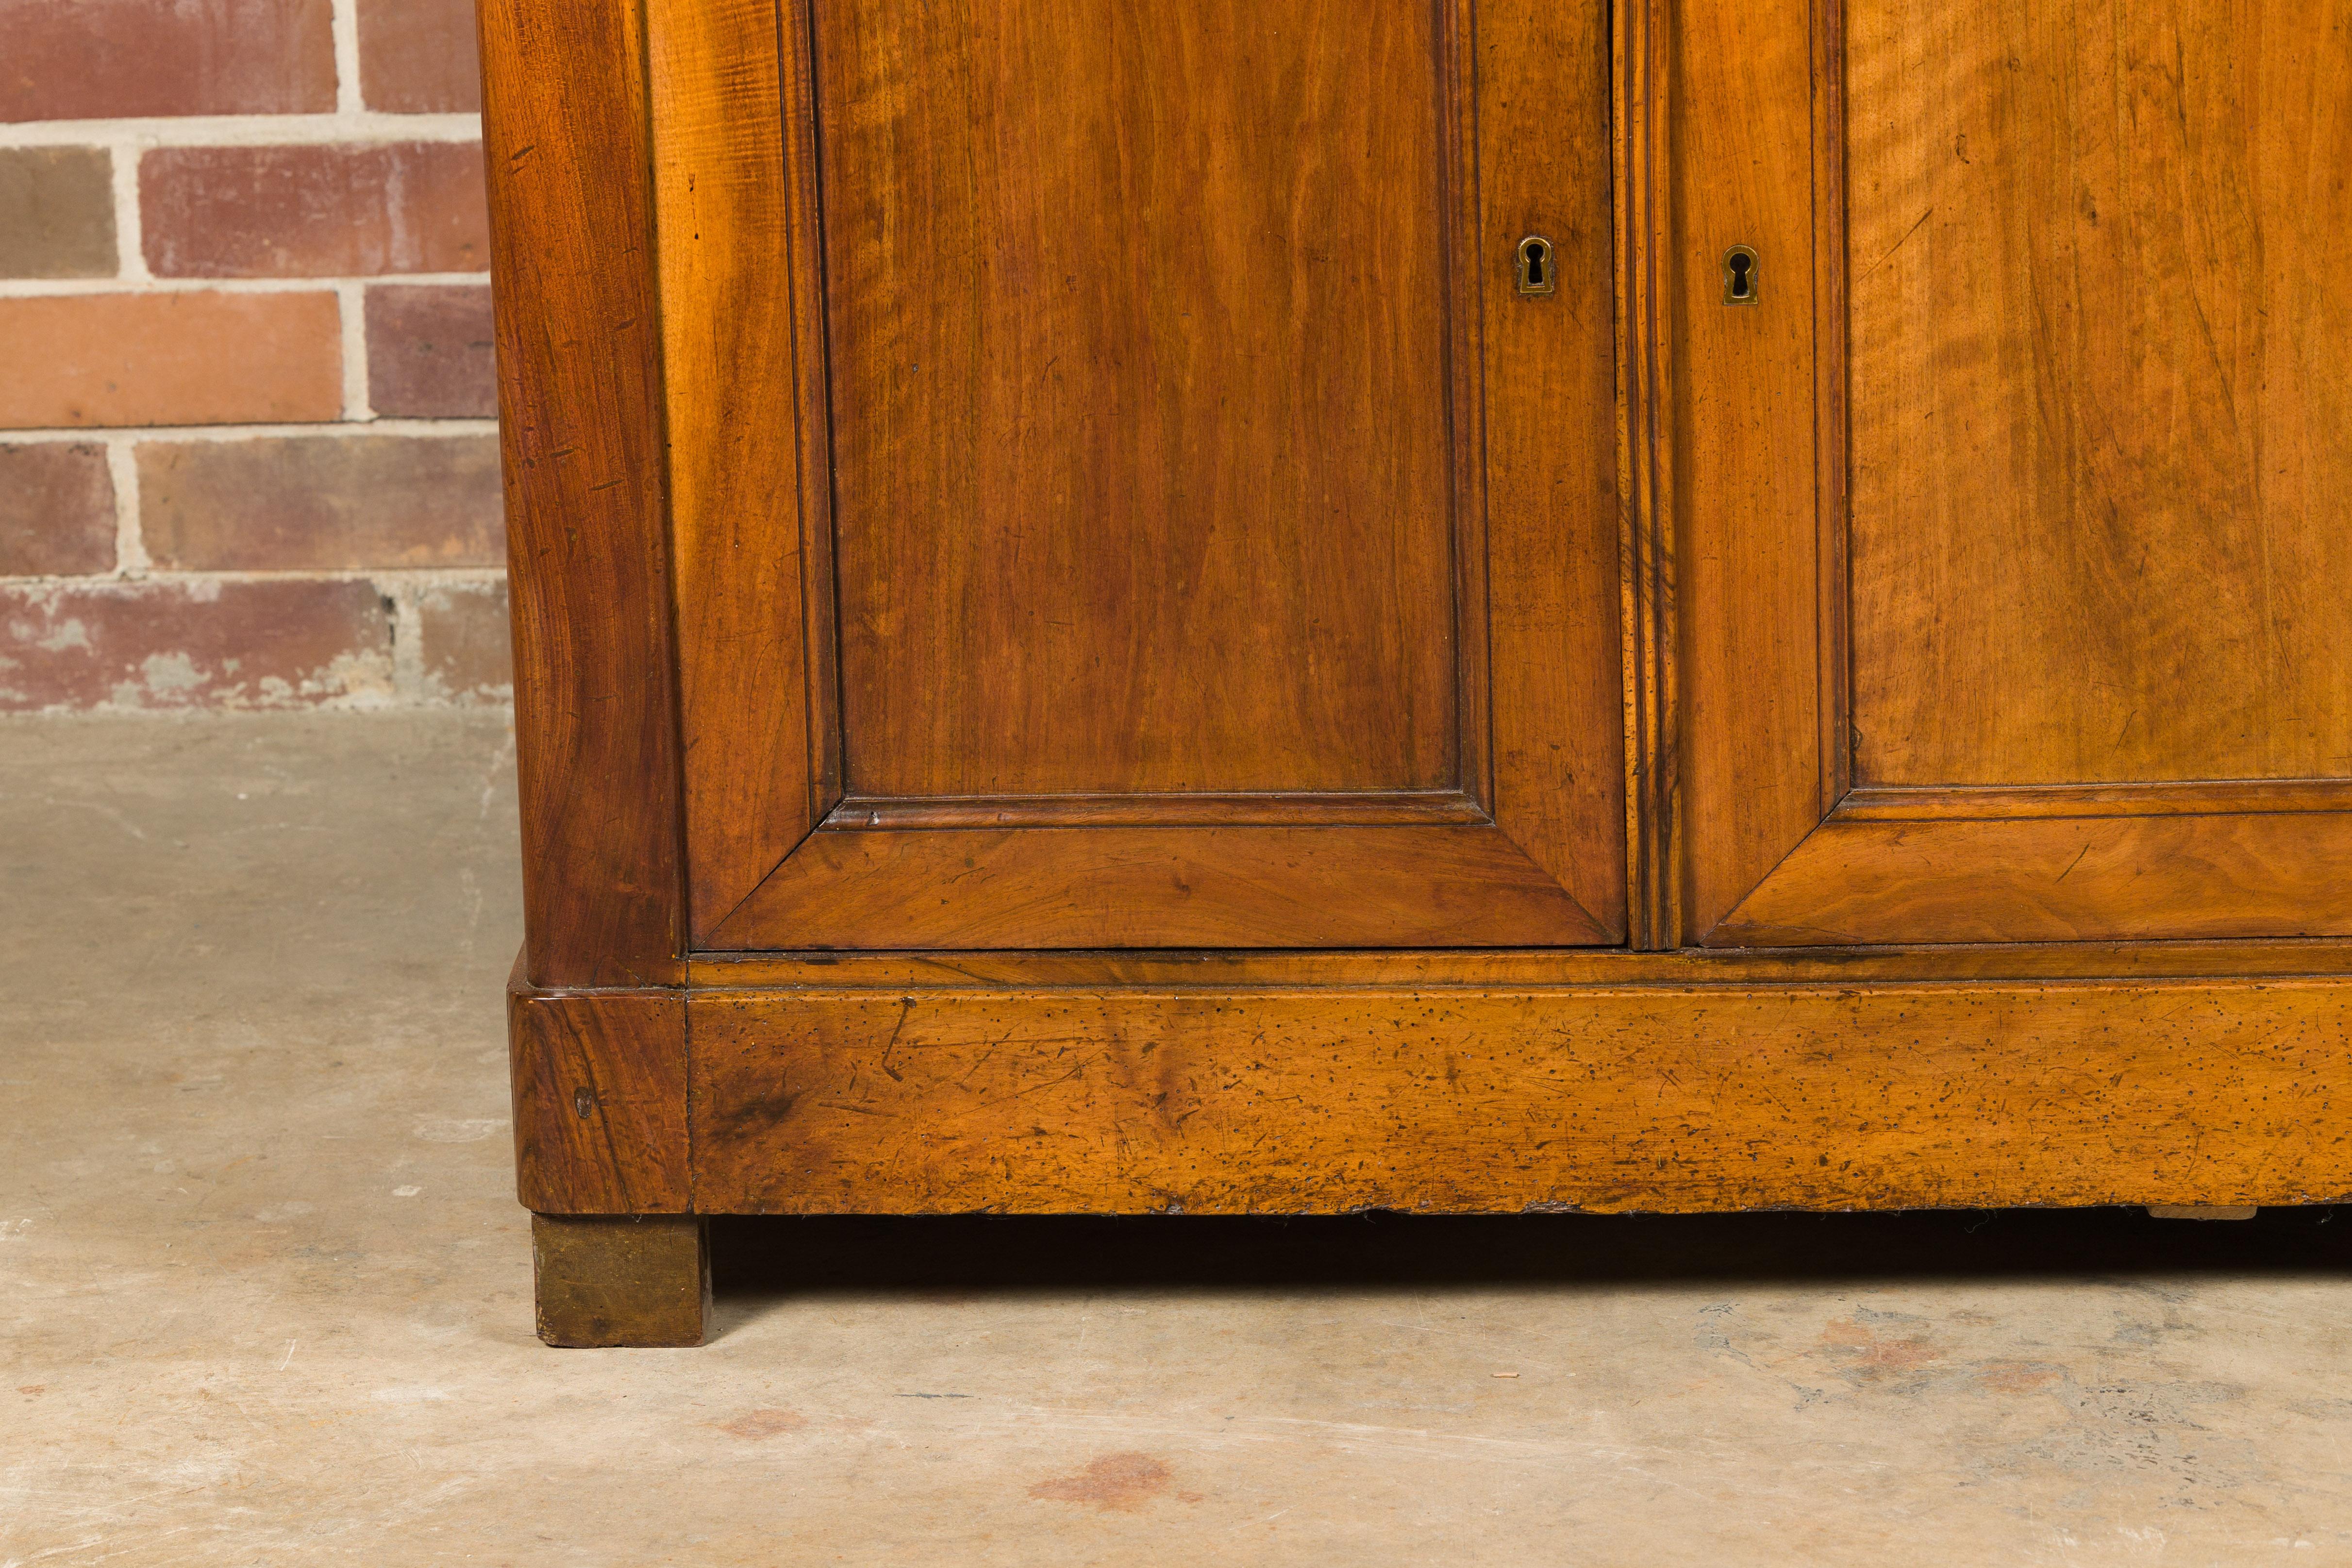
<point x="248" y="450"/>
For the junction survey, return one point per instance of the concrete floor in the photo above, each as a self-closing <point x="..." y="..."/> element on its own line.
<point x="265" y="1290"/>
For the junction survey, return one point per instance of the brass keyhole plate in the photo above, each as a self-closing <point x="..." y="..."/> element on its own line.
<point x="1739" y="276"/>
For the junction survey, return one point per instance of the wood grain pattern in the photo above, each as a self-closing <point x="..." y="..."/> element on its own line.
<point x="1160" y="887"/>
<point x="1139" y="330"/>
<point x="1556" y="686"/>
<point x="2102" y="433"/>
<point x="579" y="422"/>
<point x="1859" y="1097"/>
<point x="1241" y="971"/>
<point x="599" y="1084"/>
<point x="1749" y="654"/>
<point x="726" y="242"/>
<point x="2054" y="878"/>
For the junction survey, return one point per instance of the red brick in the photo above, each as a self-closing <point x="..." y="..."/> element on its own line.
<point x="187" y="358"/>
<point x="57" y="212"/>
<point x="469" y="651"/>
<point x="289" y="643"/>
<point x="104" y="59"/>
<point x="56" y="510"/>
<point x="314" y="211"/>
<point x="332" y="502"/>
<point x="416" y="57"/>
<point x="430" y="352"/>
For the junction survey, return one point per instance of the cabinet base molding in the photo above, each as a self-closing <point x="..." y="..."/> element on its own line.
<point x="1671" y="1098"/>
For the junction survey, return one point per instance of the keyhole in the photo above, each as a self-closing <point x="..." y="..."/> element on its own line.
<point x="1534" y="267"/>
<point x="1739" y="276"/>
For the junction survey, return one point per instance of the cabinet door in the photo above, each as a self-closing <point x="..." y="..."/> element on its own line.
<point x="1121" y="496"/>
<point x="2017" y="508"/>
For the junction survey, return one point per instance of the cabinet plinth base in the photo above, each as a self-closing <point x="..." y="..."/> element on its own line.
<point x="621" y="1280"/>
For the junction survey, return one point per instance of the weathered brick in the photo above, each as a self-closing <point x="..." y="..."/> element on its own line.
<point x="57" y="509"/>
<point x="314" y="211"/>
<point x="416" y="57"/>
<point x="282" y="503"/>
<point x="186" y="358"/>
<point x="468" y="652"/>
<point x="103" y="59"/>
<point x="287" y="643"/>
<point x="430" y="352"/>
<point x="56" y="212"/>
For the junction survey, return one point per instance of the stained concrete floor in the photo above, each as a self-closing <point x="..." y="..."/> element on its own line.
<point x="266" y="1292"/>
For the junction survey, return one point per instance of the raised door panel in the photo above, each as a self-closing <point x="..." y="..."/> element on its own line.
<point x="1099" y="519"/>
<point x="1142" y="474"/>
<point x="2062" y="476"/>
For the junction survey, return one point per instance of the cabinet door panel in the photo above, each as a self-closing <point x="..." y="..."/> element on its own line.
<point x="1155" y="586"/>
<point x="2101" y="430"/>
<point x="2082" y="517"/>
<point x="1126" y="304"/>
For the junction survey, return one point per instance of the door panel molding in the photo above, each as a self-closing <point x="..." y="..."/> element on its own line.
<point x="1397" y="807"/>
<point x="1748" y="662"/>
<point x="734" y="192"/>
<point x="1777" y="846"/>
<point x="1159" y="887"/>
<point x="2199" y="797"/>
<point x="1536" y="800"/>
<point x="2116" y="877"/>
<point x="1549" y="457"/>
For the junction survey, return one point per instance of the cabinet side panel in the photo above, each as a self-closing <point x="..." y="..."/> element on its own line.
<point x="579" y="428"/>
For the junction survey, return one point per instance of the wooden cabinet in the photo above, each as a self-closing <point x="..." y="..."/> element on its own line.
<point x="1189" y="608"/>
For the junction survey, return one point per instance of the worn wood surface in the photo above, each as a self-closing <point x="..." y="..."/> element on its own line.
<point x="1656" y="1099"/>
<point x="1159" y="887"/>
<point x="613" y="1281"/>
<point x="599" y="1081"/>
<point x="2102" y="432"/>
<point x="580" y="431"/>
<point x="2055" y="879"/>
<point x="735" y="255"/>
